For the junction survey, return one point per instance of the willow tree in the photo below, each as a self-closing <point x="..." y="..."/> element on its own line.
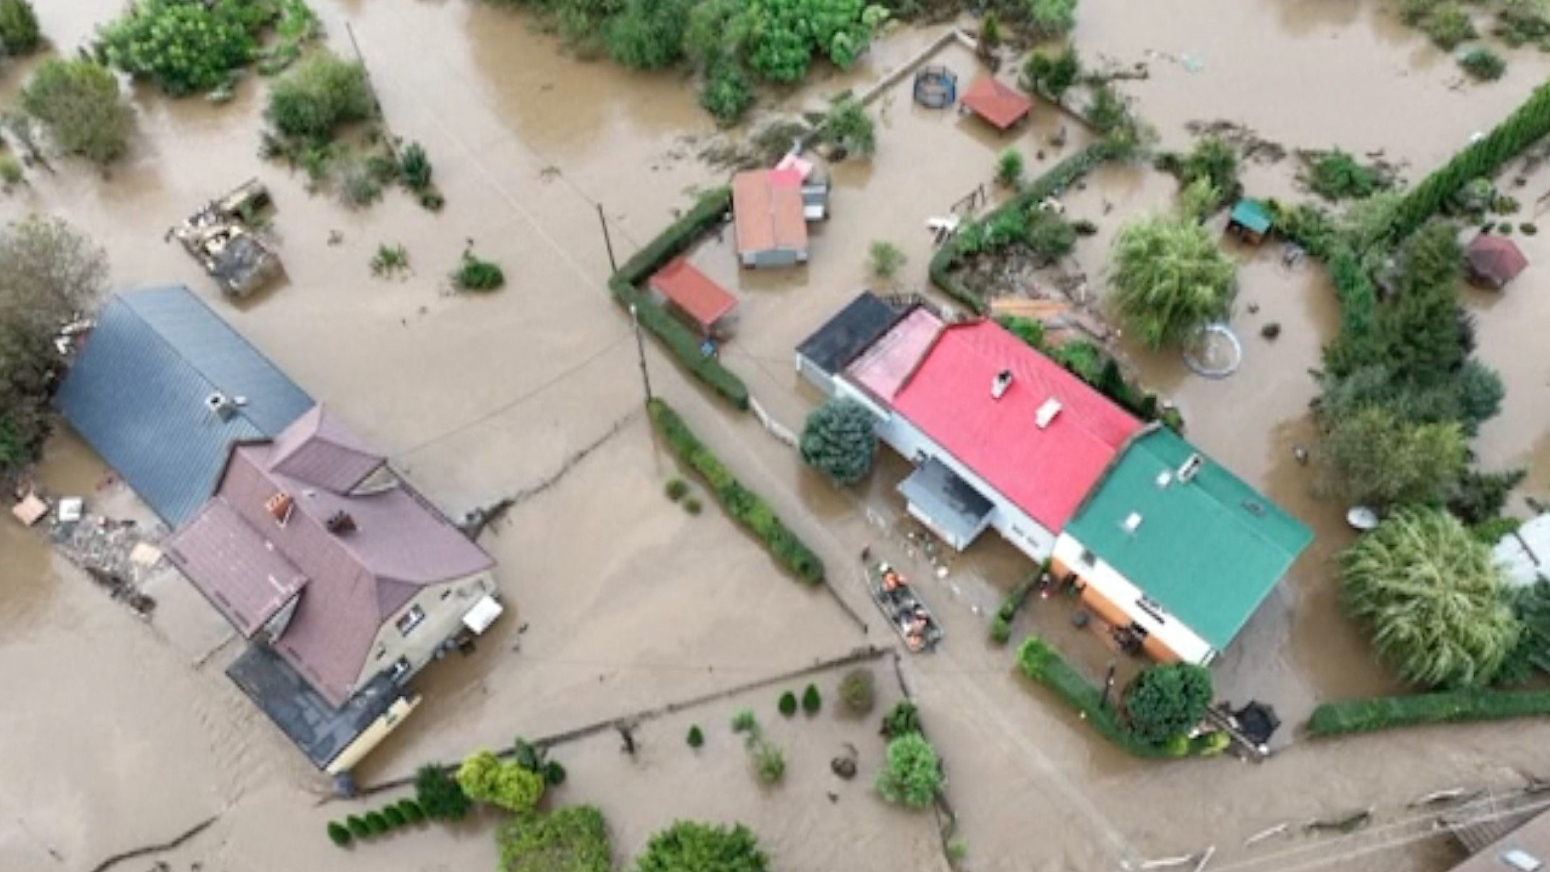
<point x="1170" y="279"/>
<point x="1433" y="598"/>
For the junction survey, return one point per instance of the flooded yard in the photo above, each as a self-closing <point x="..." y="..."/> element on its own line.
<point x="126" y="732"/>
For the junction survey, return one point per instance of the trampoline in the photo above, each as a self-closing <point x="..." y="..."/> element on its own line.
<point x="1214" y="353"/>
<point x="936" y="87"/>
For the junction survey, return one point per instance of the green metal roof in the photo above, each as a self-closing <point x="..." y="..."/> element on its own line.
<point x="1252" y="215"/>
<point x="1208" y="550"/>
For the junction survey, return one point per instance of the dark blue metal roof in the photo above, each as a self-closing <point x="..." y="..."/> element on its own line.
<point x="137" y="393"/>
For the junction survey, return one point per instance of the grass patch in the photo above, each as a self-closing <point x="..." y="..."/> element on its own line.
<point x="744" y="506"/>
<point x="1385" y="713"/>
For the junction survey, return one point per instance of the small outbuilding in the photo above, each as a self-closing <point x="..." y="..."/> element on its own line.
<point x="1250" y="221"/>
<point x="1494" y="261"/>
<point x="1000" y="105"/>
<point x="691" y="292"/>
<point x="769" y="218"/>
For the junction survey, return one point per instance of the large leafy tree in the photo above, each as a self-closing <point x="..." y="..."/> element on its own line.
<point x="1169" y="278"/>
<point x="185" y="47"/>
<point x="689" y="846"/>
<point x="1382" y="460"/>
<point x="1162" y="702"/>
<point x="484" y="778"/>
<point x="50" y="273"/>
<point x="79" y="103"/>
<point x="1433" y="598"/>
<point x="840" y="439"/>
<point x="912" y="774"/>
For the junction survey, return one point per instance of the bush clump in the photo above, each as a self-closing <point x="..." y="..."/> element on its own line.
<point x="1009" y="168"/>
<point x="569" y="839"/>
<point x="886" y="258"/>
<point x="319" y="95"/>
<point x="687" y="846"/>
<point x="912" y="775"/>
<point x="1052" y="75"/>
<point x="185" y="48"/>
<point x="1163" y="702"/>
<point x="413" y="813"/>
<point x="696" y="737"/>
<point x="742" y="504"/>
<point x="484" y="778"/>
<point x="476" y="274"/>
<point x="769" y="762"/>
<point x="1483" y="64"/>
<point x="19" y="33"/>
<point x="1448" y="25"/>
<point x="439" y="795"/>
<point x="676" y="489"/>
<point x="812" y="700"/>
<point x="1336" y="175"/>
<point x="857" y="692"/>
<point x="727" y="93"/>
<point x="79" y="104"/>
<point x="788" y="703"/>
<point x="901" y="720"/>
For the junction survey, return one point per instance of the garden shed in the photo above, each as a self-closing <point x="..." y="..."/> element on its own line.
<point x="769" y="218"/>
<point x="1250" y="221"/>
<point x="692" y="293"/>
<point x="1494" y="261"/>
<point x="1000" y="105"/>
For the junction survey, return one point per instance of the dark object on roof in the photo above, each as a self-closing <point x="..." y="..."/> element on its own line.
<point x="998" y="104"/>
<point x="319" y="729"/>
<point x="1494" y="260"/>
<point x="849" y="333"/>
<point x="163" y="388"/>
<point x="1257" y="721"/>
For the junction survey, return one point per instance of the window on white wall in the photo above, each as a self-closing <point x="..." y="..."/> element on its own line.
<point x="410" y="619"/>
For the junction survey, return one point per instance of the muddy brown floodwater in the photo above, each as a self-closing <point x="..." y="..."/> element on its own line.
<point x="120" y="732"/>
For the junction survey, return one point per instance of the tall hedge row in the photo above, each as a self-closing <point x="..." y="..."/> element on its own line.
<point x="745" y="506"/>
<point x="1526" y="125"/>
<point x="1381" y="713"/>
<point x="679" y="339"/>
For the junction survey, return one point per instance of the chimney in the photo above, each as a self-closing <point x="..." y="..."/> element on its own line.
<point x="340" y="523"/>
<point x="222" y="405"/>
<point x="1000" y="384"/>
<point x="1047" y="412"/>
<point x="1190" y="466"/>
<point x="1132" y="522"/>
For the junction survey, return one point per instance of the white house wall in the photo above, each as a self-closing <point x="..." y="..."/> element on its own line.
<point x="1017" y="526"/>
<point x="444" y="605"/>
<point x="1118" y="590"/>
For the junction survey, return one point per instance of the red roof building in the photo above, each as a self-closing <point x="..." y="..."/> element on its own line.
<point x="1009" y="423"/>
<point x="1494" y="260"/>
<point x="768" y="217"/>
<point x="704" y="301"/>
<point x="998" y="104"/>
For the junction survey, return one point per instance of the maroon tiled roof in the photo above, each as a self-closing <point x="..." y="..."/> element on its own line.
<point x="357" y="579"/>
<point x="257" y="580"/>
<point x="1000" y="105"/>
<point x="318" y="450"/>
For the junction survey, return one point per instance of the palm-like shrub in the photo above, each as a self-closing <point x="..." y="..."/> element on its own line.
<point x="1169" y="279"/>
<point x="1433" y="598"/>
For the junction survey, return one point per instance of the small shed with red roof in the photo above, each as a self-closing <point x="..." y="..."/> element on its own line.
<point x="999" y="104"/>
<point x="768" y="218"/>
<point x="1494" y="260"/>
<point x="691" y="292"/>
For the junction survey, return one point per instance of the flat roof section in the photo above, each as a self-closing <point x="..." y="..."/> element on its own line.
<point x="956" y="508"/>
<point x="849" y="333"/>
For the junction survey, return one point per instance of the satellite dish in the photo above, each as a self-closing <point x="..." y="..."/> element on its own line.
<point x="1361" y="518"/>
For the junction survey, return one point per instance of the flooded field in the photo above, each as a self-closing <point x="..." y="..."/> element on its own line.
<point x="125" y="733"/>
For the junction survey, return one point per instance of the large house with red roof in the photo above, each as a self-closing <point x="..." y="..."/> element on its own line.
<point x="1168" y="549"/>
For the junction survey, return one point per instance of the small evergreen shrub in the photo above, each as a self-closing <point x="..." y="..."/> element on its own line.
<point x="394" y="816"/>
<point x="357" y="827"/>
<point x="1483" y="64"/>
<point x="788" y="703"/>
<point x="812" y="701"/>
<point x="415" y="167"/>
<point x="339" y="834"/>
<point x="696" y="738"/>
<point x="554" y="773"/>
<point x="376" y="824"/>
<point x="693" y="506"/>
<point x="474" y="274"/>
<point x="676" y="489"/>
<point x="412" y="811"/>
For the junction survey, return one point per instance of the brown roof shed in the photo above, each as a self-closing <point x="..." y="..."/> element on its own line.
<point x="767" y="212"/>
<point x="998" y="104"/>
<point x="1494" y="260"/>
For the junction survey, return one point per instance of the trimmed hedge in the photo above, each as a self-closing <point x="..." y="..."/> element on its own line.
<point x="1053" y="182"/>
<point x="1527" y="124"/>
<point x="679" y="339"/>
<point x="1382" y="713"/>
<point x="742" y="504"/>
<point x="1044" y="664"/>
<point x="1001" y="626"/>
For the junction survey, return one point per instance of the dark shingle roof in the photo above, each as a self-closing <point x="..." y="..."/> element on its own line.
<point x="137" y="394"/>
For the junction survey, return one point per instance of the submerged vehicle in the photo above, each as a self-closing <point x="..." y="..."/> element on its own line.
<point x="220" y="237"/>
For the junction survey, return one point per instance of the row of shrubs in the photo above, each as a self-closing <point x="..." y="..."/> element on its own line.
<point x="683" y="342"/>
<point x="1381" y="713"/>
<point x="1001" y="627"/>
<point x="376" y="822"/>
<point x="742" y="504"/>
<point x="1042" y="663"/>
<point x="1056" y="180"/>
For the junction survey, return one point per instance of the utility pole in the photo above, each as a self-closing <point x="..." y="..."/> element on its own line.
<point x="640" y="352"/>
<point x="614" y="267"/>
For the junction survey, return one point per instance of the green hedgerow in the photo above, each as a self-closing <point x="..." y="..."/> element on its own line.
<point x="339" y="834"/>
<point x="696" y="737"/>
<point x="413" y="813"/>
<point x="394" y="816"/>
<point x="357" y="827"/>
<point x="812" y="701"/>
<point x="788" y="703"/>
<point x="676" y="489"/>
<point x="376" y="824"/>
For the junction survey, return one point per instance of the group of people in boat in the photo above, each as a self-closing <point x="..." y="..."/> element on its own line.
<point x="914" y="623"/>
